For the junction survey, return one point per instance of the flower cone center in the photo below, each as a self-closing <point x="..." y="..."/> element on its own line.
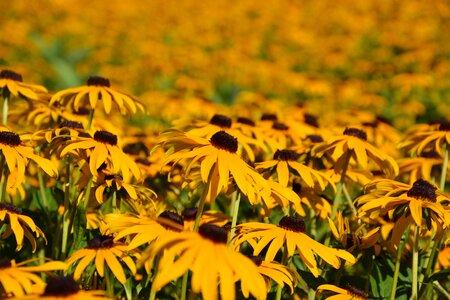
<point x="360" y="134"/>
<point x="225" y="141"/>
<point x="105" y="137"/>
<point x="11" y="208"/>
<point x="292" y="224"/>
<point x="286" y="155"/>
<point x="444" y="126"/>
<point x="256" y="259"/>
<point x="9" y="138"/>
<point x="356" y="292"/>
<point x="98" y="81"/>
<point x="172" y="216"/>
<point x="8" y="74"/>
<point x="71" y="124"/>
<point x="61" y="286"/>
<point x="103" y="241"/>
<point x="280" y="126"/>
<point x="423" y="190"/>
<point x="315" y="138"/>
<point x="4" y="263"/>
<point x="221" y="121"/>
<point x="269" y="117"/>
<point x="214" y="233"/>
<point x="190" y="213"/>
<point x="430" y="154"/>
<point x="311" y="120"/>
<point x="246" y="121"/>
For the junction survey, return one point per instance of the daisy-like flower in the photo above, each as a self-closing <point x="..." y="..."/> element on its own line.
<point x="286" y="160"/>
<point x="218" y="159"/>
<point x="271" y="270"/>
<point x="17" y="279"/>
<point x="11" y="83"/>
<point x="98" y="89"/>
<point x="114" y="183"/>
<point x="414" y="201"/>
<point x="426" y="166"/>
<point x="291" y="233"/>
<point x="211" y="261"/>
<point x="60" y="287"/>
<point x="101" y="149"/>
<point x="352" y="239"/>
<point x="17" y="154"/>
<point x="103" y="249"/>
<point x="213" y="217"/>
<point x="349" y="293"/>
<point x="19" y="225"/>
<point x="432" y="139"/>
<point x="354" y="142"/>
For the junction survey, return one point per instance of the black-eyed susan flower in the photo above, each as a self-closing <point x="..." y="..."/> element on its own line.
<point x="212" y="262"/>
<point x="426" y="166"/>
<point x="17" y="279"/>
<point x="103" y="249"/>
<point x="217" y="160"/>
<point x="17" y="154"/>
<point x="98" y="89"/>
<point x="64" y="287"/>
<point x="100" y="149"/>
<point x="351" y="238"/>
<point x="285" y="161"/>
<point x="349" y="293"/>
<point x="11" y="83"/>
<point x="290" y="233"/>
<point x="19" y="225"/>
<point x="213" y="217"/>
<point x="272" y="270"/>
<point x="114" y="183"/>
<point x="352" y="147"/>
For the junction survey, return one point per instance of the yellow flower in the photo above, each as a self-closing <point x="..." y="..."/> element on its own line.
<point x="426" y="166"/>
<point x="59" y="287"/>
<point x="291" y="233"/>
<point x="286" y="160"/>
<point x="354" y="142"/>
<point x="17" y="279"/>
<point x="97" y="90"/>
<point x="17" y="155"/>
<point x="104" y="249"/>
<point x="211" y="261"/>
<point x="113" y="183"/>
<point x="218" y="159"/>
<point x="12" y="83"/>
<point x="271" y="270"/>
<point x="208" y="217"/>
<point x="21" y="225"/>
<point x="350" y="293"/>
<point x="102" y="149"/>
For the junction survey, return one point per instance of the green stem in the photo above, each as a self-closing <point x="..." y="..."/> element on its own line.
<point x="444" y="168"/>
<point x="109" y="282"/>
<point x="91" y="118"/>
<point x="400" y="248"/>
<point x="5" y="111"/>
<point x="235" y="213"/>
<point x="42" y="189"/>
<point x="284" y="261"/>
<point x="349" y="200"/>
<point x="114" y="202"/>
<point x="66" y="215"/>
<point x="201" y="206"/>
<point x="5" y="179"/>
<point x="415" y="264"/>
<point x="430" y="267"/>
<point x="439" y="287"/>
<point x="184" y="285"/>
<point x="340" y="185"/>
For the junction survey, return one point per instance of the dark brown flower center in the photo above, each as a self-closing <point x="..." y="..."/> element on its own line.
<point x="143" y="161"/>
<point x="286" y="155"/>
<point x="246" y="121"/>
<point x="82" y="111"/>
<point x="373" y="124"/>
<point x="311" y="120"/>
<point x="190" y="213"/>
<point x="214" y="233"/>
<point x="269" y="117"/>
<point x="11" y="208"/>
<point x="356" y="133"/>
<point x="297" y="187"/>
<point x="71" y="124"/>
<point x="136" y="149"/>
<point x="103" y="241"/>
<point x="356" y="292"/>
<point x="221" y="121"/>
<point x="349" y="240"/>
<point x="430" y="154"/>
<point x="384" y="120"/>
<point x="4" y="263"/>
<point x="423" y="190"/>
<point x="106" y="137"/>
<point x="292" y="224"/>
<point x="256" y="259"/>
<point x="225" y="141"/>
<point x="9" y="138"/>
<point x="8" y="74"/>
<point x="444" y="126"/>
<point x="315" y="138"/>
<point x="280" y="126"/>
<point x="61" y="286"/>
<point x="99" y="81"/>
<point x="172" y="216"/>
<point x="114" y="177"/>
<point x="437" y="121"/>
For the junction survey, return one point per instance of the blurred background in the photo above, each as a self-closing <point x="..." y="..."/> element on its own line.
<point x="390" y="58"/>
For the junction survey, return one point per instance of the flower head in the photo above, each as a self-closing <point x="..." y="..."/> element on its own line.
<point x="11" y="83"/>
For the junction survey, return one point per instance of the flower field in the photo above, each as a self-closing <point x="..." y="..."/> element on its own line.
<point x="259" y="149"/>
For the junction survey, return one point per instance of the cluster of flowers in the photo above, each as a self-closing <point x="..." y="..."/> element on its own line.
<point x="263" y="200"/>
